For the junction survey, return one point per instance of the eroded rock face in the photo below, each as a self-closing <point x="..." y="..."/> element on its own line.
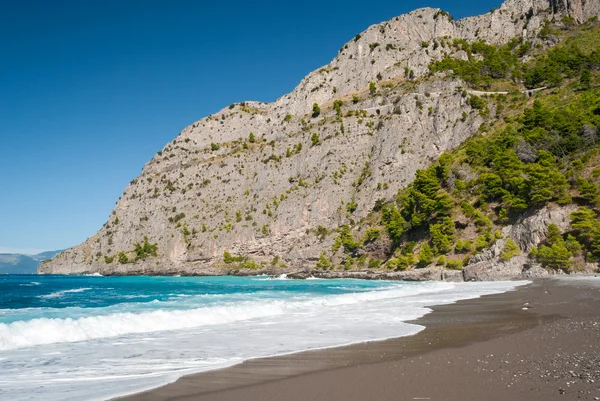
<point x="527" y="233"/>
<point x="426" y="274"/>
<point x="261" y="203"/>
<point x="213" y="189"/>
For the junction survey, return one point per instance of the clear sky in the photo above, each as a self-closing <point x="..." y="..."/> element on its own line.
<point x="90" y="90"/>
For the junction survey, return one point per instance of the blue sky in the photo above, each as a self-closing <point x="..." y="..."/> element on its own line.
<point x="91" y="90"/>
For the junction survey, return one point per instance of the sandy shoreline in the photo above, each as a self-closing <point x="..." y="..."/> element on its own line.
<point x="540" y="342"/>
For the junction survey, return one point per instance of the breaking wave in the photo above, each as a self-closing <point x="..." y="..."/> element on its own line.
<point x="59" y="294"/>
<point x="39" y="331"/>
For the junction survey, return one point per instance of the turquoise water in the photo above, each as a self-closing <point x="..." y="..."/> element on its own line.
<point x="93" y="338"/>
<point x="31" y="296"/>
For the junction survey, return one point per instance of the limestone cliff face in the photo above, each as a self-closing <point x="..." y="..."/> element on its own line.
<point x="527" y="233"/>
<point x="259" y="179"/>
<point x="400" y="45"/>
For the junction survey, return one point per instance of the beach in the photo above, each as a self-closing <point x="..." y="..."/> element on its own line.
<point x="539" y="342"/>
<point x="73" y="338"/>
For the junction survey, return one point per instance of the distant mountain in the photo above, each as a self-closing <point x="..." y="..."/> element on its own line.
<point x="46" y="255"/>
<point x="14" y="263"/>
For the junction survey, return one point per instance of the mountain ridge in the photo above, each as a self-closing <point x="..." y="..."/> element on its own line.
<point x="263" y="180"/>
<point x="15" y="263"/>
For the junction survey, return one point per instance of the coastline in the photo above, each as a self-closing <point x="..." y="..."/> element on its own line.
<point x="529" y="343"/>
<point x="434" y="273"/>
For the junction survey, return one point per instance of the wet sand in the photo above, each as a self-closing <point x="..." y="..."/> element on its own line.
<point x="540" y="342"/>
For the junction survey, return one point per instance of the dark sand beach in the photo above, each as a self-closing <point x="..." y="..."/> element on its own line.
<point x="540" y="342"/>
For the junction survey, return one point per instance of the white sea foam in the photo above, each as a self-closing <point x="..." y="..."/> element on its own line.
<point x="280" y="277"/>
<point x="266" y="277"/>
<point x="59" y="294"/>
<point x="32" y="284"/>
<point x="48" y="331"/>
<point x="97" y="358"/>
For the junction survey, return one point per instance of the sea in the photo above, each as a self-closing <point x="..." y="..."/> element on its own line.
<point x="94" y="338"/>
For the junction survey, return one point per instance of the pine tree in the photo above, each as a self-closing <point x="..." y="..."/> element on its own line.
<point x="588" y="190"/>
<point x="315" y="139"/>
<point x="425" y="256"/>
<point x="554" y="233"/>
<point x="394" y="223"/>
<point x="556" y="256"/>
<point x="510" y="249"/>
<point x="585" y="224"/>
<point x="372" y="88"/>
<point x="316" y="110"/>
<point x="123" y="259"/>
<point x="323" y="262"/>
<point x="586" y="79"/>
<point x="442" y="235"/>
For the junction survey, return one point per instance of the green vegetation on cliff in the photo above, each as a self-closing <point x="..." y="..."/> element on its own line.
<point x="531" y="152"/>
<point x="482" y="65"/>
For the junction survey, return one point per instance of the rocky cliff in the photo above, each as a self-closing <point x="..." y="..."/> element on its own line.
<point x="263" y="182"/>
